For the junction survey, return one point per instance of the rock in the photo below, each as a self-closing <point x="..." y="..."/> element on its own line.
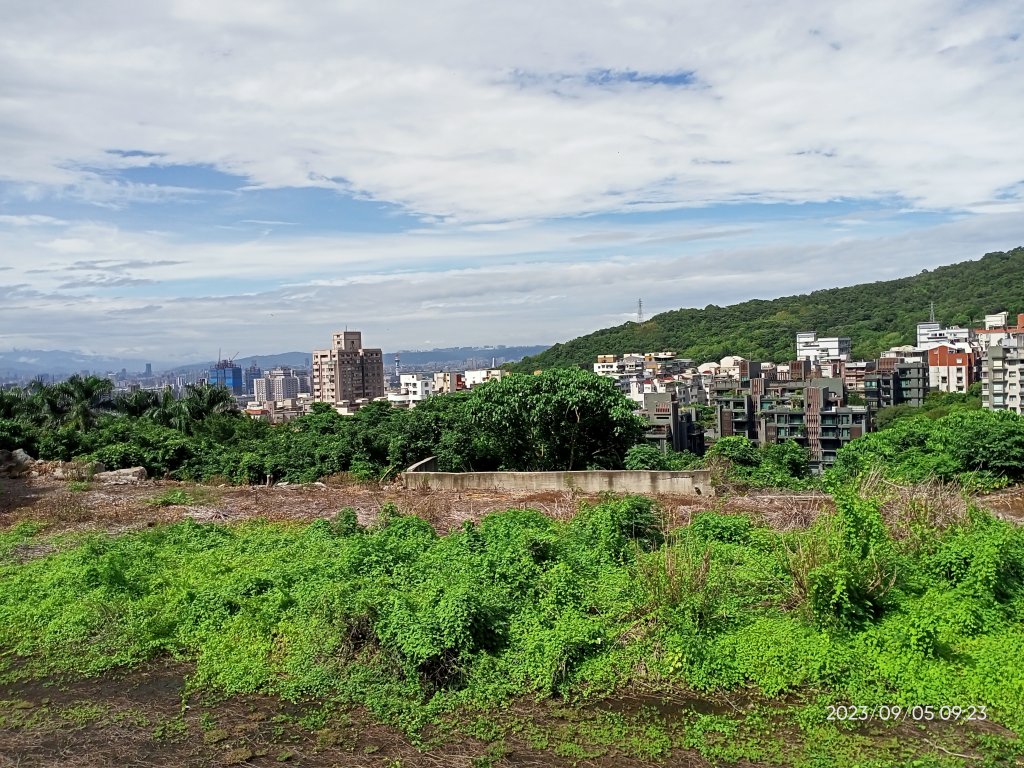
<point x="15" y="463"/>
<point x="22" y="458"/>
<point x="77" y="470"/>
<point x="122" y="476"/>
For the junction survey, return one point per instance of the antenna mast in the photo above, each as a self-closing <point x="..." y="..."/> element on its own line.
<point x="931" y="315"/>
<point x="639" y="310"/>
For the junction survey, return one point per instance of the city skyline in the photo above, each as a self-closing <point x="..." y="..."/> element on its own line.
<point x="447" y="175"/>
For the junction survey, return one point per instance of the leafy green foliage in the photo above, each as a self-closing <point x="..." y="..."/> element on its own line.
<point x="173" y="497"/>
<point x="936" y="405"/>
<point x="560" y="420"/>
<point x="875" y="316"/>
<point x="781" y="465"/>
<point x="647" y="456"/>
<point x="412" y="624"/>
<point x="979" y="448"/>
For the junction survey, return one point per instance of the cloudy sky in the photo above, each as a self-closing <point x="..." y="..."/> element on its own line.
<point x="186" y="175"/>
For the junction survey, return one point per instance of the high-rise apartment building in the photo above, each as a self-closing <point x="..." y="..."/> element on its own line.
<point x="1002" y="375"/>
<point x="250" y="375"/>
<point x="347" y="372"/>
<point x="278" y="384"/>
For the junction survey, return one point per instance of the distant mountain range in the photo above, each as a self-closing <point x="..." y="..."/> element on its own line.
<point x="33" y="362"/>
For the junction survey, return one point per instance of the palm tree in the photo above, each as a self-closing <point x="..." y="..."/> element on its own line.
<point x="46" y="405"/>
<point x="169" y="411"/>
<point x="138" y="403"/>
<point x="83" y="399"/>
<point x="13" y="403"/>
<point x="204" y="400"/>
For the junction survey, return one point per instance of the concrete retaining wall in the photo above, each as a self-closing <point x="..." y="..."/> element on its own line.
<point x="692" y="483"/>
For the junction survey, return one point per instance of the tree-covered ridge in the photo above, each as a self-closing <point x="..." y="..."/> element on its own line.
<point x="875" y="316"/>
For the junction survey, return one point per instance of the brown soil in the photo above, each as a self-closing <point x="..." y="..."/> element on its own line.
<point x="145" y="717"/>
<point x="63" y="506"/>
<point x="1008" y="504"/>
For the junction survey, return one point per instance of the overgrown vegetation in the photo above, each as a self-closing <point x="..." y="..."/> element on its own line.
<point x="563" y="419"/>
<point x="875" y="316"/>
<point x="908" y="608"/>
<point x="979" y="449"/>
<point x="936" y="405"/>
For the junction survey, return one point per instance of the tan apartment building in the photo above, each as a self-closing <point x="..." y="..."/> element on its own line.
<point x="347" y="372"/>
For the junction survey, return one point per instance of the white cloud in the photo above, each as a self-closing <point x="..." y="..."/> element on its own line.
<point x="499" y="297"/>
<point x="33" y="220"/>
<point x="505" y="127"/>
<point x="426" y="105"/>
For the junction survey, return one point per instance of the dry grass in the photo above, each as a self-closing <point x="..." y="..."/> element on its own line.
<point x="907" y="509"/>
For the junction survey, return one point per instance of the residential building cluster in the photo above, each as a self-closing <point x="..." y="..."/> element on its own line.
<point x="348" y="376"/>
<point x="823" y="398"/>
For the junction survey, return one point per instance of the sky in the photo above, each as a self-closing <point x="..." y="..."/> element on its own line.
<point x="181" y="177"/>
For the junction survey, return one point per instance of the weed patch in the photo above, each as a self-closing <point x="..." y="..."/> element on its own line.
<point x="436" y="632"/>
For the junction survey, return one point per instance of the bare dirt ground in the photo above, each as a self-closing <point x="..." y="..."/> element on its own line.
<point x="146" y="718"/>
<point x="61" y="505"/>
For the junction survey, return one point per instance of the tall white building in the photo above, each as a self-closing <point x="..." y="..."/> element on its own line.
<point x="932" y="334"/>
<point x="277" y="384"/>
<point x="810" y="347"/>
<point x="413" y="388"/>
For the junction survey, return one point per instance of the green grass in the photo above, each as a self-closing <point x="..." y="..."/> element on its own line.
<point x="423" y="629"/>
<point x="178" y="497"/>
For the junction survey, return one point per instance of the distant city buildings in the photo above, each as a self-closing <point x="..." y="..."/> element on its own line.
<point x="477" y="377"/>
<point x="413" y="388"/>
<point x="279" y="384"/>
<point x="250" y="375"/>
<point x="447" y="382"/>
<point x="228" y="375"/>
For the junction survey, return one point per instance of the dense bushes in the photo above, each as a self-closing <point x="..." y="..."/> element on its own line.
<point x="979" y="448"/>
<point x="410" y="623"/>
<point x="782" y="465"/>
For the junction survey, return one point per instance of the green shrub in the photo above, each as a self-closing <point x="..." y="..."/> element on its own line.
<point x="173" y="497"/>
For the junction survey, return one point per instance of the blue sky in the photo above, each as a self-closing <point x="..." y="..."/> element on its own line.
<point x="191" y="175"/>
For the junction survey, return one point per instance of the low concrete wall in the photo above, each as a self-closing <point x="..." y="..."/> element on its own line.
<point x="693" y="483"/>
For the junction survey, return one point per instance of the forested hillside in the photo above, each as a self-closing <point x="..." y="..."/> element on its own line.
<point x="875" y="315"/>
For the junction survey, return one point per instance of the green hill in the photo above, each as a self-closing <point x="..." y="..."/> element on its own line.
<point x="875" y="316"/>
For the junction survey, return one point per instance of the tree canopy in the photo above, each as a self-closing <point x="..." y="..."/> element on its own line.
<point x="562" y="420"/>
